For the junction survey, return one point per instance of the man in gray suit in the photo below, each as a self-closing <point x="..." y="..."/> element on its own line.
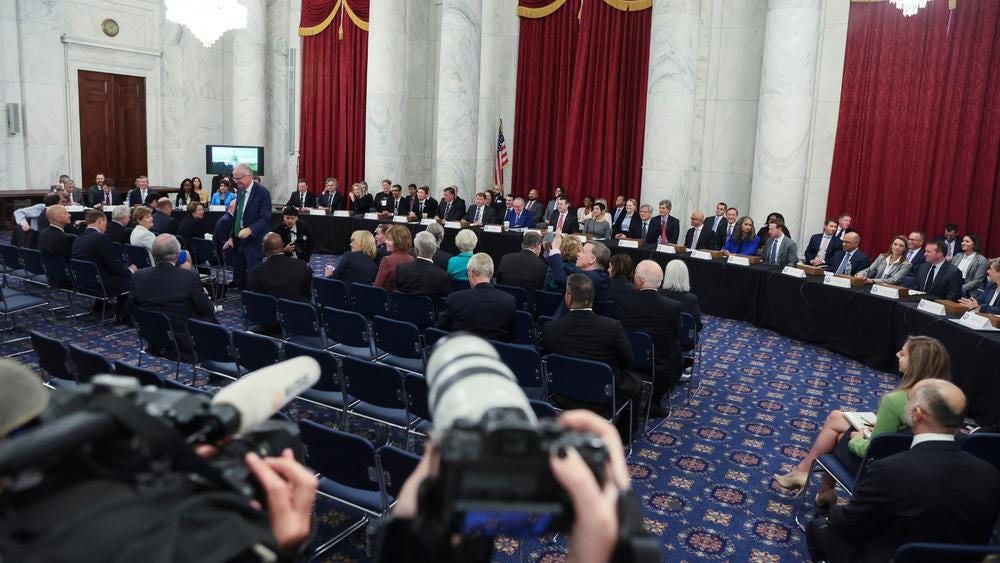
<point x="779" y="250"/>
<point x="553" y="204"/>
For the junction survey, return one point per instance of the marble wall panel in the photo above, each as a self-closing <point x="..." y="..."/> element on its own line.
<point x="735" y="132"/>
<point x="458" y="93"/>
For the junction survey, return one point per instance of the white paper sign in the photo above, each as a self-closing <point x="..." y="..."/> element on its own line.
<point x="109" y="208"/>
<point x="666" y="249"/>
<point x="738" y="260"/>
<point x="931" y="307"/>
<point x="701" y="255"/>
<point x="218" y="208"/>
<point x="208" y="236"/>
<point x="628" y="244"/>
<point x="371" y="216"/>
<point x="581" y="238"/>
<point x="976" y="321"/>
<point x="399" y="219"/>
<point x="550" y="229"/>
<point x="506" y="224"/>
<point x="794" y="272"/>
<point x="452" y="225"/>
<point x="887" y="292"/>
<point x="337" y="213"/>
<point x="427" y="221"/>
<point x="836" y="281"/>
<point x="74" y="208"/>
<point x="493" y="228"/>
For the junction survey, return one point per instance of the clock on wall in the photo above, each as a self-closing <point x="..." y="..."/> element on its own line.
<point x="109" y="27"/>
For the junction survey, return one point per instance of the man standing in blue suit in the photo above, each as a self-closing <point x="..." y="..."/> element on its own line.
<point x="251" y="221"/>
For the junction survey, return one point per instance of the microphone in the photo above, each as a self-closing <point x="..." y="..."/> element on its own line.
<point x="261" y="393"/>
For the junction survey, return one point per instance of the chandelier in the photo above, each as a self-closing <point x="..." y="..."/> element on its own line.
<point x="909" y="7"/>
<point x="207" y="19"/>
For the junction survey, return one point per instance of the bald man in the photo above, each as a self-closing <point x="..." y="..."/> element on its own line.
<point x="279" y="275"/>
<point x="933" y="492"/>
<point x="849" y="259"/>
<point x="700" y="237"/>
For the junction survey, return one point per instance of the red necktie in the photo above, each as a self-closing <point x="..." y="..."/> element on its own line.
<point x="663" y="230"/>
<point x="559" y="225"/>
<point x="107" y="198"/>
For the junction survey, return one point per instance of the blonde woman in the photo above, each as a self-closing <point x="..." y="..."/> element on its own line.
<point x="360" y="199"/>
<point x="890" y="267"/>
<point x="358" y="265"/>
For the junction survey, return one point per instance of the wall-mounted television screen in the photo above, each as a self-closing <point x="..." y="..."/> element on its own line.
<point x="220" y="159"/>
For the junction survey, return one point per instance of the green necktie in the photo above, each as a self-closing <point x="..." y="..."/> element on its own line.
<point x="240" y="203"/>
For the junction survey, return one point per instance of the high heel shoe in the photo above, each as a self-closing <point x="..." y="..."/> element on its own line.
<point x="792" y="480"/>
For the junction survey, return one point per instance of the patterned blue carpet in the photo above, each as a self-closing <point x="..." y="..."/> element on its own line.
<point x="704" y="476"/>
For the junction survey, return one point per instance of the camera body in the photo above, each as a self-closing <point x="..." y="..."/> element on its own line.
<point x="495" y="476"/>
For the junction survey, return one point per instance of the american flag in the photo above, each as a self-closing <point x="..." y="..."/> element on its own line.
<point x="500" y="160"/>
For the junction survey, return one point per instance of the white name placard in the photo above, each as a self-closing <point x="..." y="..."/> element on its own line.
<point x="337" y="213"/>
<point x="581" y="238"/>
<point x="427" y="221"/>
<point x="506" y="224"/>
<point x="931" y="307"/>
<point x="740" y="260"/>
<point x="976" y="321"/>
<point x="493" y="228"/>
<point x="452" y="225"/>
<point x="794" y="272"/>
<point x="371" y="216"/>
<point x="701" y="255"/>
<point x="666" y="249"/>
<point x="836" y="281"/>
<point x="628" y="244"/>
<point x="887" y="292"/>
<point x="219" y="208"/>
<point x="74" y="208"/>
<point x="400" y="219"/>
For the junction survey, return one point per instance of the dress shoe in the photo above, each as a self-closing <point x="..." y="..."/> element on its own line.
<point x="792" y="480"/>
<point x="826" y="499"/>
<point x="656" y="410"/>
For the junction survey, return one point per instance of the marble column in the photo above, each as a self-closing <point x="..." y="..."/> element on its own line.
<point x="384" y="148"/>
<point x="785" y="114"/>
<point x="249" y="103"/>
<point x="458" y="96"/>
<point x="496" y="88"/>
<point x="670" y="106"/>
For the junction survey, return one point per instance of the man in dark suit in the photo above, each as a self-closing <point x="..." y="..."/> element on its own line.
<point x="105" y="195"/>
<point x="295" y="234"/>
<point x="222" y="234"/>
<point x="914" y="255"/>
<point x="481" y="213"/>
<point x="700" y="236"/>
<point x="988" y="301"/>
<point x="664" y="228"/>
<point x="441" y="257"/>
<point x="281" y="276"/>
<point x="175" y="291"/>
<point x="952" y="244"/>
<point x="452" y="207"/>
<point x="563" y="220"/>
<point x="524" y="269"/>
<point x="251" y="221"/>
<point x="53" y="239"/>
<point x="936" y="276"/>
<point x="422" y="276"/>
<point x="117" y="228"/>
<point x="424" y="207"/>
<point x="933" y="492"/>
<point x="849" y="259"/>
<point x="517" y="217"/>
<point x="482" y="310"/>
<point x="330" y="198"/>
<point x="585" y="334"/>
<point x="618" y="211"/>
<point x="301" y="197"/>
<point x="141" y="191"/>
<point x="659" y="317"/>
<point x="843" y="225"/>
<point x="592" y="261"/>
<point x="724" y="230"/>
<point x="498" y="202"/>
<point x="94" y="193"/>
<point x="163" y="221"/>
<point x="718" y="219"/>
<point x="93" y="245"/>
<point x="823" y="245"/>
<point x="535" y="207"/>
<point x="396" y="204"/>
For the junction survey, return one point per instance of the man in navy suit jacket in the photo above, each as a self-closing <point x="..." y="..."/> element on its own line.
<point x="592" y="261"/>
<point x="914" y="255"/>
<point x="833" y="245"/>
<point x="93" y="245"/>
<point x="938" y="277"/>
<point x="251" y="222"/>
<point x="482" y="310"/>
<point x="850" y="259"/>
<point x="518" y="217"/>
<point x="656" y="231"/>
<point x="989" y="300"/>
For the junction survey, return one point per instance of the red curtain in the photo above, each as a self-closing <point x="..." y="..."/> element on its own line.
<point x="334" y="84"/>
<point x="581" y="98"/>
<point x="918" y="140"/>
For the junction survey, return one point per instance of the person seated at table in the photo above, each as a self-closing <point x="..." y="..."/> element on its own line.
<point x="936" y="276"/>
<point x="823" y="245"/>
<point x="224" y="195"/>
<point x="358" y="265"/>
<point x="914" y="255"/>
<point x="621" y="268"/>
<point x="628" y="224"/>
<point x="441" y="257"/>
<point x="987" y="301"/>
<point x="301" y="197"/>
<point x="397" y="242"/>
<point x="563" y="220"/>
<point x="409" y="200"/>
<point x="481" y="213"/>
<point x="330" y="198"/>
<point x="763" y="233"/>
<point x="106" y="195"/>
<point x="382" y="198"/>
<point x="971" y="263"/>
<point x="592" y="261"/>
<point x="920" y="358"/>
<point x="744" y="241"/>
<point x="142" y="234"/>
<point x="534" y="206"/>
<point x="849" y="258"/>
<point x="570" y="248"/>
<point x="664" y="228"/>
<point x="295" y="233"/>
<point x="396" y="204"/>
<point x="118" y="228"/>
<point x="452" y="207"/>
<point x="525" y="268"/>
<point x="725" y="230"/>
<point x="359" y="200"/>
<point x="422" y="276"/>
<point x="163" y="219"/>
<point x="596" y="225"/>
<point x="779" y="249"/>
<point x="186" y="194"/>
<point x="424" y="206"/>
<point x="699" y="236"/>
<point x="466" y="241"/>
<point x="517" y="217"/>
<point x="585" y="209"/>
<point x="952" y="246"/>
<point x="482" y="309"/>
<point x="192" y="225"/>
<point x="677" y="286"/>
<point x="890" y="267"/>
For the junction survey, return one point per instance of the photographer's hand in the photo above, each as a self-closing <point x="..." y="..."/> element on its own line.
<point x="406" y="502"/>
<point x="291" y="491"/>
<point x="595" y="530"/>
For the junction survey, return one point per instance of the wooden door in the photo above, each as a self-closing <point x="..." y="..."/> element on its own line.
<point x="112" y="127"/>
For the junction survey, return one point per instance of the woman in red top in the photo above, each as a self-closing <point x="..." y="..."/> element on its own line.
<point x="398" y="242"/>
